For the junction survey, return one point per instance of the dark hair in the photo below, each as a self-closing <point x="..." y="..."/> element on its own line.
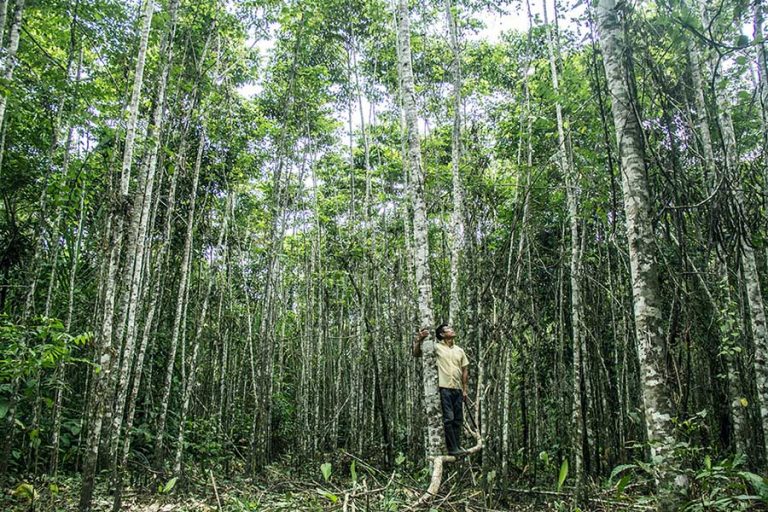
<point x="439" y="331"/>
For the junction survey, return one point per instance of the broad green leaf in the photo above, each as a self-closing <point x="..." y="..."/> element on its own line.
<point x="757" y="482"/>
<point x="622" y="484"/>
<point x="563" y="474"/>
<point x="25" y="490"/>
<point x="329" y="495"/>
<point x="620" y="468"/>
<point x="168" y="487"/>
<point x="400" y="458"/>
<point x="326" y="469"/>
<point x="353" y="472"/>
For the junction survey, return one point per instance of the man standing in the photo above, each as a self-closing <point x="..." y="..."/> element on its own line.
<point x="453" y="376"/>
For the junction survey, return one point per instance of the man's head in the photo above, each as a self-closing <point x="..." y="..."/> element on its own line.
<point x="444" y="331"/>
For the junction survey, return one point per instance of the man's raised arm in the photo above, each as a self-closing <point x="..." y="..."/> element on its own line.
<point x="417" y="342"/>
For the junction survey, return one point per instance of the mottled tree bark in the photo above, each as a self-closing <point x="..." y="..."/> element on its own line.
<point x="434" y="439"/>
<point x="457" y="215"/>
<point x="649" y="330"/>
<point x="102" y="379"/>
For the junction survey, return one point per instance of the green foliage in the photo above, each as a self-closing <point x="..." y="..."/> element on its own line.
<point x="26" y="492"/>
<point x="32" y="357"/>
<point x="563" y="474"/>
<point x="167" y="487"/>
<point x="26" y="349"/>
<point x="326" y="469"/>
<point x="328" y="495"/>
<point x="724" y="486"/>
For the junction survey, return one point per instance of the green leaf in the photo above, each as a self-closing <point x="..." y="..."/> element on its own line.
<point x="544" y="457"/>
<point x="353" y="472"/>
<point x="563" y="474"/>
<point x="25" y="490"/>
<point x="757" y="482"/>
<point x="400" y="458"/>
<point x="708" y="462"/>
<point x="329" y="495"/>
<point x="622" y="484"/>
<point x="620" y="468"/>
<point x="326" y="469"/>
<point x="4" y="406"/>
<point x="168" y="487"/>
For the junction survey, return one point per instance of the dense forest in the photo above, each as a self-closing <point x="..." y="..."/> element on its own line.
<point x="224" y="221"/>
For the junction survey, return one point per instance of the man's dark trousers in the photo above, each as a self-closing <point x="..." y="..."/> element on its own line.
<point x="452" y="402"/>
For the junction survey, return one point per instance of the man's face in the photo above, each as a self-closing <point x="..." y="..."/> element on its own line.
<point x="448" y="333"/>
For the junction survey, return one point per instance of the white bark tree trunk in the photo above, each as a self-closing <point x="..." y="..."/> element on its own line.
<point x="189" y="385"/>
<point x="434" y="440"/>
<point x="457" y="215"/>
<point x="179" y="312"/>
<point x="757" y="318"/>
<point x="9" y="61"/>
<point x="103" y="378"/>
<point x="645" y="288"/>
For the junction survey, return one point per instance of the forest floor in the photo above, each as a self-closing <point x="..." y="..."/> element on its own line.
<point x="282" y="490"/>
<point x="358" y="487"/>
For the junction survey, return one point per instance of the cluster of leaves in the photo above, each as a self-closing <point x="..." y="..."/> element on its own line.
<point x="722" y="486"/>
<point x="30" y="355"/>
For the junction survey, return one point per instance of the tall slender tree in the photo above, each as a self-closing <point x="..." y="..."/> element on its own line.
<point x="649" y="328"/>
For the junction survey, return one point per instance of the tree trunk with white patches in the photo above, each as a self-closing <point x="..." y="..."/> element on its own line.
<point x="432" y="410"/>
<point x="724" y="306"/>
<point x="188" y="386"/>
<point x="457" y="215"/>
<point x="649" y="328"/>
<point x="179" y="311"/>
<point x="103" y="378"/>
<point x="755" y="304"/>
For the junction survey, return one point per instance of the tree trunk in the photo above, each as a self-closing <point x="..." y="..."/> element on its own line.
<point x="754" y="295"/>
<point x="103" y="378"/>
<point x="457" y="216"/>
<point x="179" y="313"/>
<point x="434" y="439"/>
<point x="189" y="385"/>
<point x="645" y="287"/>
<point x="9" y="61"/>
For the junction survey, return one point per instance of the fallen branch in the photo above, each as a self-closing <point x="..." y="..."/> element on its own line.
<point x="437" y="470"/>
<point x="215" y="491"/>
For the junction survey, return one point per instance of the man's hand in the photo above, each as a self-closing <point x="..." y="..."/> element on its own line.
<point x="464" y="394"/>
<point x="420" y="336"/>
